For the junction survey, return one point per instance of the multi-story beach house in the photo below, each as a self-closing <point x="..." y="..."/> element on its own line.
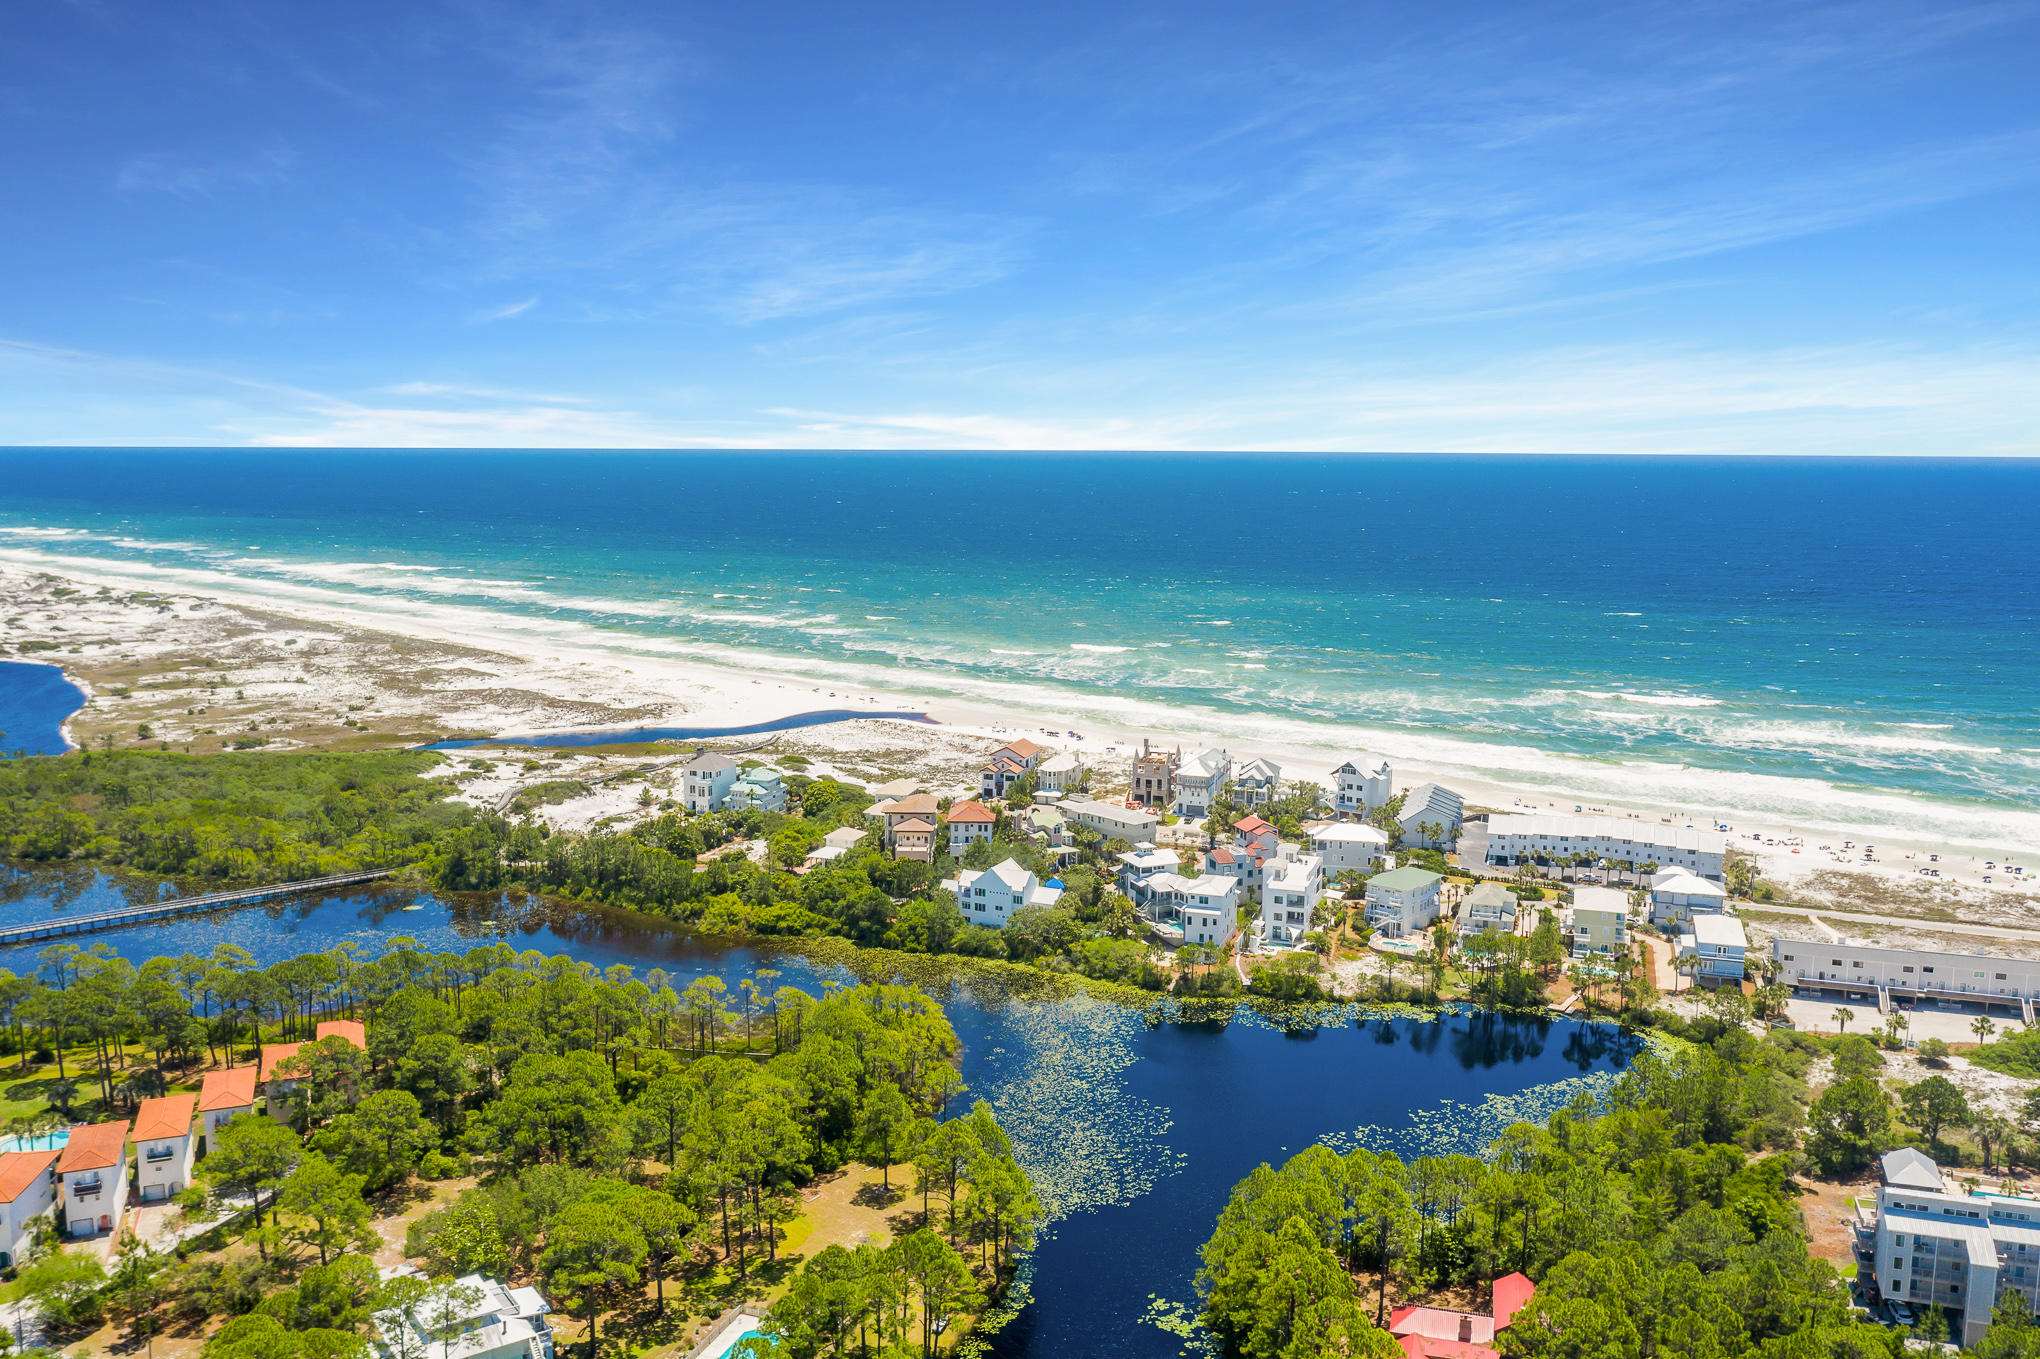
<point x="470" y="1318"/>
<point x="92" y="1178"/>
<point x="989" y="897"/>
<point x="969" y="822"/>
<point x="1719" y="948"/>
<point x="1600" y="921"/>
<point x="1677" y="896"/>
<point x="896" y="812"/>
<point x="1009" y="762"/>
<point x="705" y="780"/>
<point x="1489" y="906"/>
<point x="759" y="789"/>
<point x="223" y="1097"/>
<point x="1134" y="825"/>
<point x="1138" y="870"/>
<point x="1548" y="837"/>
<point x="1348" y="846"/>
<point x="1361" y="784"/>
<point x="1206" y="909"/>
<point x="1294" y="888"/>
<point x="1060" y="771"/>
<point x="1154" y="776"/>
<point x="164" y="1146"/>
<point x="914" y="839"/>
<point x="1199" y="780"/>
<point x="1045" y="823"/>
<point x="28" y="1190"/>
<point x="1403" y="901"/>
<point x="1887" y="975"/>
<point x="1926" y="1244"/>
<point x="1430" y="816"/>
<point x="1257" y="781"/>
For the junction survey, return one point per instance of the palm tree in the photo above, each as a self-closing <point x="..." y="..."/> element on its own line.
<point x="1992" y="1131"/>
<point x="1982" y="1028"/>
<point x="1843" y="1014"/>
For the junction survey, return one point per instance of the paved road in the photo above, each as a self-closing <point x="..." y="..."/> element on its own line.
<point x="2017" y="936"/>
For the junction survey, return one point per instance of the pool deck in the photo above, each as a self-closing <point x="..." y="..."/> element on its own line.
<point x="729" y="1328"/>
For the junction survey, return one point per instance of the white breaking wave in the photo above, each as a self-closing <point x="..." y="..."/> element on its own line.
<point x="1097" y="648"/>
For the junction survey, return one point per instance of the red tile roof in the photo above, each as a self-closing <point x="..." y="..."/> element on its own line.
<point x="1023" y="747"/>
<point x="165" y="1117"/>
<point x="233" y="1088"/>
<point x="913" y="826"/>
<point x="1427" y="1347"/>
<point x="20" y="1169"/>
<point x="94" y="1147"/>
<point x="275" y="1054"/>
<point x="1252" y="825"/>
<point x="350" y="1029"/>
<point x="971" y="813"/>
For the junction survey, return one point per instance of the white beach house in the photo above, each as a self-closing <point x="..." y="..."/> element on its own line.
<point x="1138" y="870"/>
<point x="1719" y="946"/>
<point x="1403" y="901"/>
<point x="705" y="780"/>
<point x="969" y="823"/>
<point x="1295" y="887"/>
<point x="224" y="1096"/>
<point x="92" y="1179"/>
<point x="1008" y="763"/>
<point x="1361" y="784"/>
<point x="1677" y="896"/>
<point x="1348" y="846"/>
<point x="1207" y="907"/>
<point x="1489" y="906"/>
<point x="165" y="1146"/>
<point x="990" y="897"/>
<point x="1257" y="781"/>
<point x="1134" y="825"/>
<point x="28" y="1190"/>
<point x="1199" y="780"/>
<point x="759" y="789"/>
<point x="1060" y="770"/>
<point x="471" y="1318"/>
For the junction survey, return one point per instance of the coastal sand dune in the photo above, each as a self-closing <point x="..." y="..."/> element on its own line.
<point x="207" y="669"/>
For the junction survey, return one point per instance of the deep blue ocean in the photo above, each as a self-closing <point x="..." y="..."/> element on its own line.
<point x="1823" y="642"/>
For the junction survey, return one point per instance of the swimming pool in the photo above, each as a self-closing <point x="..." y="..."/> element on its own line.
<point x="40" y="1142"/>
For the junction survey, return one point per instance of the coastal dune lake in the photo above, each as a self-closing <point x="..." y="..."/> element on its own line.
<point x="1135" y="1131"/>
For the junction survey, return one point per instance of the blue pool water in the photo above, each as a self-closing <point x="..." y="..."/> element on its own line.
<point x="1812" y="641"/>
<point x="35" y="701"/>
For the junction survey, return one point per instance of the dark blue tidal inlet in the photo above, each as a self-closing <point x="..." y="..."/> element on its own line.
<point x="35" y="702"/>
<point x="1134" y="1131"/>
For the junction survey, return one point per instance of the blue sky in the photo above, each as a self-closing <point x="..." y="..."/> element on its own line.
<point x="1628" y="227"/>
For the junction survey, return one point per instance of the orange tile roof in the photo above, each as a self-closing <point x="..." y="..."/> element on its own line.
<point x="165" y="1116"/>
<point x="350" y="1029"/>
<point x="1252" y="825"/>
<point x="20" y="1169"/>
<point x="277" y="1053"/>
<point x="970" y="813"/>
<point x="926" y="827"/>
<point x="233" y="1088"/>
<point x="94" y="1147"/>
<point x="1022" y="747"/>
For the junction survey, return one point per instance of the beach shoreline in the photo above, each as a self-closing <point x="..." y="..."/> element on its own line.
<point x="397" y="678"/>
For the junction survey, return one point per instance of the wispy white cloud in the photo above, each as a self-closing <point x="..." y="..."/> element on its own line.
<point x="504" y="312"/>
<point x="202" y="173"/>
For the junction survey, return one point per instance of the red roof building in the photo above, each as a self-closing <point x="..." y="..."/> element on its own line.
<point x="22" y="1170"/>
<point x="97" y="1146"/>
<point x="1439" y="1333"/>
<point x="350" y="1029"/>
<point x="971" y="812"/>
<point x="164" y="1118"/>
<point x="225" y="1091"/>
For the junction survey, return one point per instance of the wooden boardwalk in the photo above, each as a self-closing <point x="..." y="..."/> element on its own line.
<point x="160" y="910"/>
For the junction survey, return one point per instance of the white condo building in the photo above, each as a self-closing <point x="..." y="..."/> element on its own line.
<point x="1926" y="1245"/>
<point x="1904" y="974"/>
<point x="1514" y="838"/>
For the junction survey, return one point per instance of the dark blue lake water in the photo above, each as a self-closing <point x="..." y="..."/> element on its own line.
<point x="1135" y="1131"/>
<point x="34" y="702"/>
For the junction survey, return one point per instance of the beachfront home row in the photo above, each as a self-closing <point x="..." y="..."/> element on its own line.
<point x="990" y="896"/>
<point x="1927" y="1244"/>
<point x="1516" y="838"/>
<point x="1362" y="784"/>
<point x="1909" y="975"/>
<point x="1403" y="901"/>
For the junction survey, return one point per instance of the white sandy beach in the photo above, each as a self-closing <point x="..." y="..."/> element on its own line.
<point x="305" y="664"/>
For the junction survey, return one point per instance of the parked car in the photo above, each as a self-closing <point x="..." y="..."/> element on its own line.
<point x="1901" y="1315"/>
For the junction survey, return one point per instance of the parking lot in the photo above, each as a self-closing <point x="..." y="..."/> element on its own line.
<point x="1813" y="1014"/>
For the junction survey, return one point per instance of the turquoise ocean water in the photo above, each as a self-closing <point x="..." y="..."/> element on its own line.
<point x="1822" y="642"/>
